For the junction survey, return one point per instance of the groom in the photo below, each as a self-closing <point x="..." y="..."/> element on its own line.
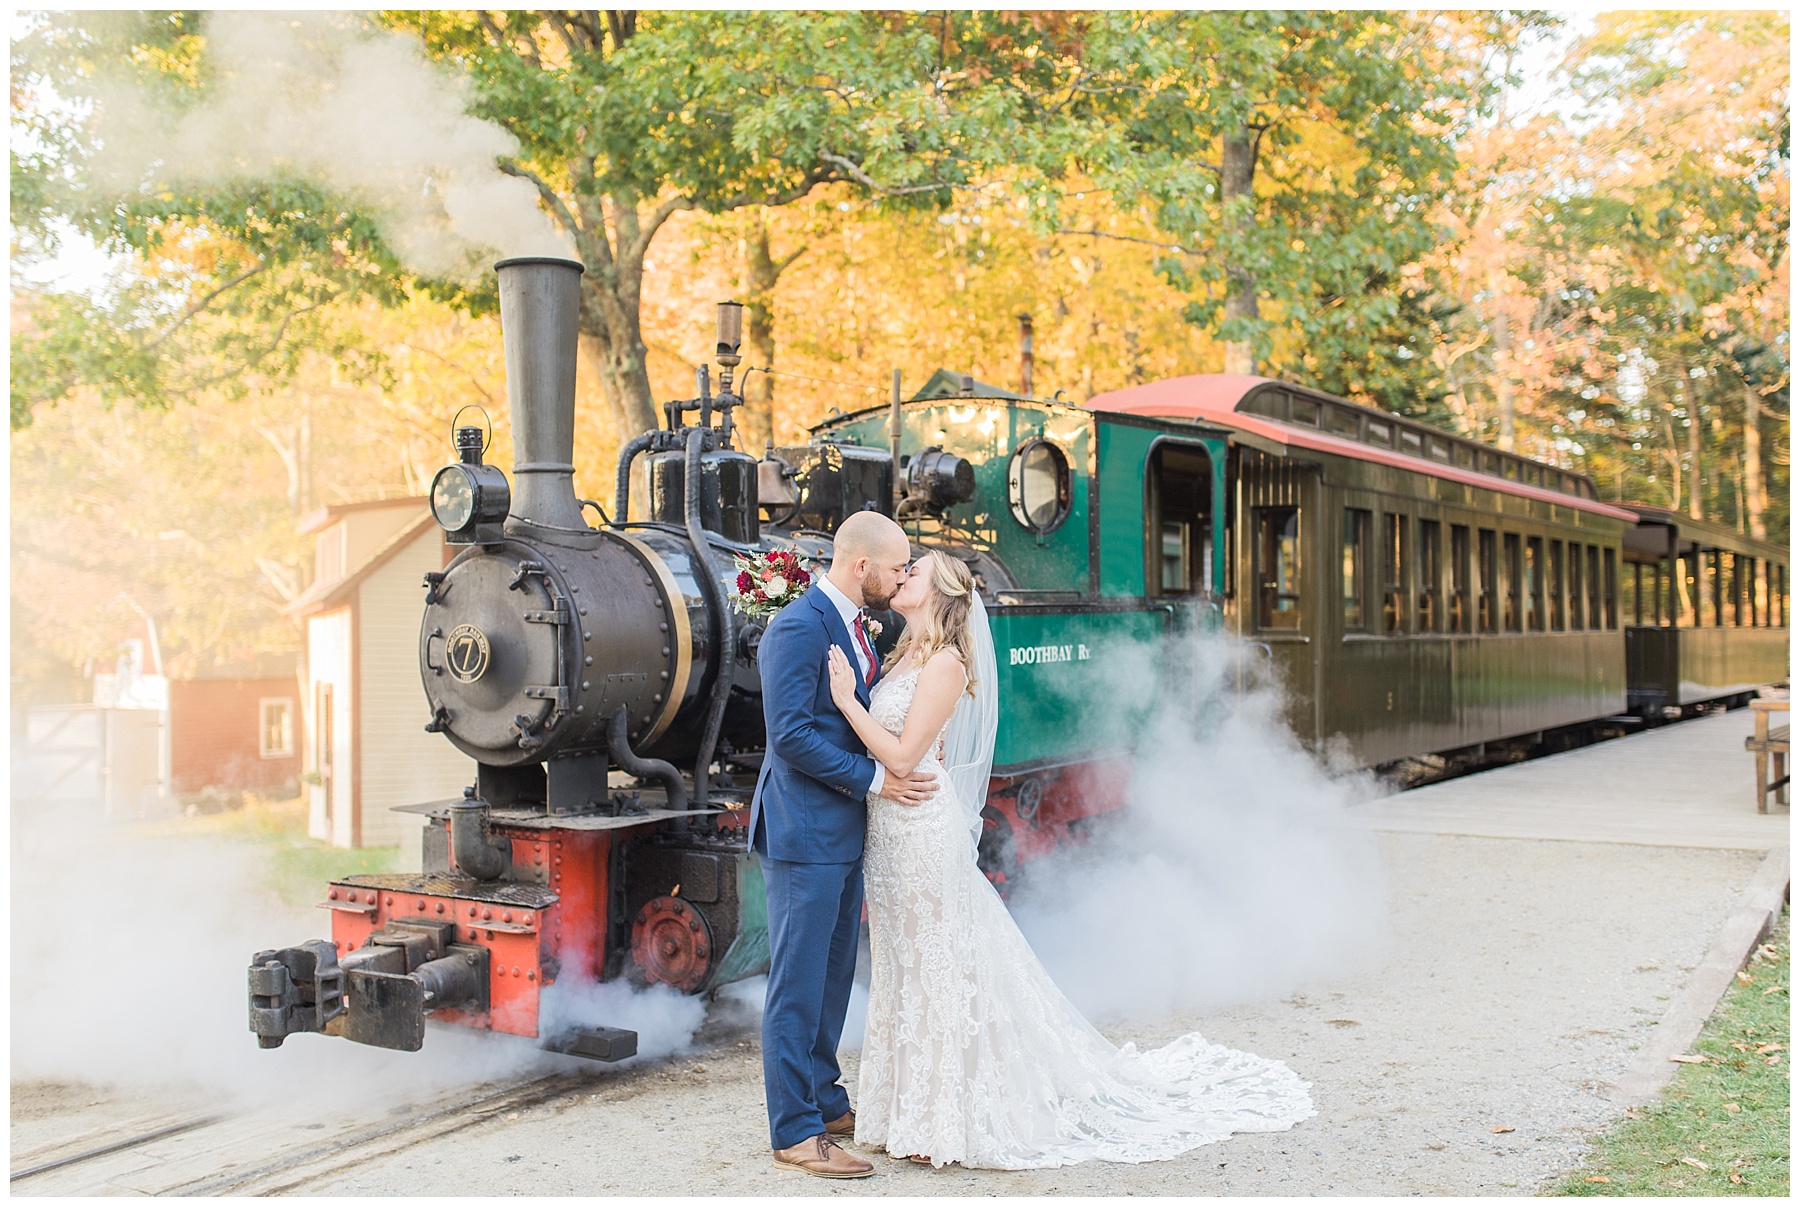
<point x="806" y="826"/>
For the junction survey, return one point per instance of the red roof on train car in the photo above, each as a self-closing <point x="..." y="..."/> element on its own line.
<point x="1215" y="398"/>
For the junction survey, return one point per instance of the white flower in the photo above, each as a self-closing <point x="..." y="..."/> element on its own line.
<point x="775" y="587"/>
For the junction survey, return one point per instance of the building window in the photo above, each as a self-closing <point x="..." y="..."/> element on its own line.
<point x="1462" y="615"/>
<point x="277" y="729"/>
<point x="1534" y="583"/>
<point x="1555" y="573"/>
<point x="1488" y="570"/>
<point x="1430" y="570"/>
<point x="1394" y="589"/>
<point x="1356" y="544"/>
<point x="1278" y="567"/>
<point x="1514" y="582"/>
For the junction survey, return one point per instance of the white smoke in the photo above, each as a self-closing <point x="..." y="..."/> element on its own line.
<point x="325" y="96"/>
<point x="1239" y="872"/>
<point x="129" y="959"/>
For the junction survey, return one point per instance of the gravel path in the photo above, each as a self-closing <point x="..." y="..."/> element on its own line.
<point x="1520" y="977"/>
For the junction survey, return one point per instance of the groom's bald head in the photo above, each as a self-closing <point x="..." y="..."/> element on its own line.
<point x="869" y="557"/>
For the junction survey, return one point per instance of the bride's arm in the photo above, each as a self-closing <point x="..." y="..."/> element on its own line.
<point x="934" y="699"/>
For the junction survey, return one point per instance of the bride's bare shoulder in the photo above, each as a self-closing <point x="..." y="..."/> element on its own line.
<point x="946" y="663"/>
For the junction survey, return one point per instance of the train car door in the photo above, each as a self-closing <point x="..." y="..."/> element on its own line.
<point x="1277" y="607"/>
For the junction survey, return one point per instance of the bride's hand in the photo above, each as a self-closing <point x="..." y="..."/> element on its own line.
<point x="843" y="679"/>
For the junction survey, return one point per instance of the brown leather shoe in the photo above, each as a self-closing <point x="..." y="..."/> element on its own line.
<point x="822" y="1159"/>
<point x="843" y="1127"/>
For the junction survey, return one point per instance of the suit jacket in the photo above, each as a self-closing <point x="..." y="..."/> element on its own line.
<point x="809" y="801"/>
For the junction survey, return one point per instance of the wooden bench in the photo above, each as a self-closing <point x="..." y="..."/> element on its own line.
<point x="1766" y="744"/>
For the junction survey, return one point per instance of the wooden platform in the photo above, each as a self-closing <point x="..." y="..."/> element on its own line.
<point x="1685" y="785"/>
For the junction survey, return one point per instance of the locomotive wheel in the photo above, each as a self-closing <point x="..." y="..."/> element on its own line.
<point x="671" y="942"/>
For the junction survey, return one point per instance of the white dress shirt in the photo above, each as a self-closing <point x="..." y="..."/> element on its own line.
<point x="849" y="612"/>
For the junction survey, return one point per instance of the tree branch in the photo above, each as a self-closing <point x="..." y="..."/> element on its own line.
<point x="549" y="195"/>
<point x="623" y="24"/>
<point x="640" y="246"/>
<point x="1100" y="234"/>
<point x="202" y="304"/>
<point x="855" y="172"/>
<point x="280" y="334"/>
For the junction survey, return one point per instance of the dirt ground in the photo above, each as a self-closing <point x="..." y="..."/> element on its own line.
<point x="1475" y="1059"/>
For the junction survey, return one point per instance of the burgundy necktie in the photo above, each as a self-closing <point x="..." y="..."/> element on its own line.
<point x="862" y="639"/>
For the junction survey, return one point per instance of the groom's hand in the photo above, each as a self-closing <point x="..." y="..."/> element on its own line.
<point x="914" y="788"/>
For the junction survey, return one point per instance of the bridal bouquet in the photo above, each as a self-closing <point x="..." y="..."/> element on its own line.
<point x="768" y="582"/>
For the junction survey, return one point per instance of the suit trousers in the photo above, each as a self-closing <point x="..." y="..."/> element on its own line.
<point x="815" y="912"/>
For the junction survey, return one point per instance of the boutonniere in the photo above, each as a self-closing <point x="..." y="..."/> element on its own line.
<point x="871" y="626"/>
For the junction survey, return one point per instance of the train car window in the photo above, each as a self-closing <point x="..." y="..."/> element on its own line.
<point x="1577" y="617"/>
<point x="1487" y="604"/>
<point x="1593" y="585"/>
<point x="1355" y="567"/>
<point x="1634" y="583"/>
<point x="1781" y="595"/>
<point x="1761" y="579"/>
<point x="1411" y="442"/>
<point x="1515" y="577"/>
<point x="1180" y="485"/>
<point x="1708" y="584"/>
<point x="1278" y="567"/>
<point x="1465" y="456"/>
<point x="1038" y="485"/>
<point x="1612" y="588"/>
<point x="1490" y="462"/>
<point x="1534" y="583"/>
<point x="1743" y="605"/>
<point x="1554" y="573"/>
<point x="1431" y="569"/>
<point x="1462" y="615"/>
<point x="1394" y="588"/>
<point x="1438" y="450"/>
<point x="1377" y="432"/>
<point x="1510" y="469"/>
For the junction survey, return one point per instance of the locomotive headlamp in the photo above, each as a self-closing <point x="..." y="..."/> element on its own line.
<point x="470" y="500"/>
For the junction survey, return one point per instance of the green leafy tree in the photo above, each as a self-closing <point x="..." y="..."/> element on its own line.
<point x="1298" y="160"/>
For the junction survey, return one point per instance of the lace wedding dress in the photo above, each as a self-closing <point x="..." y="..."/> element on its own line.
<point x="972" y="1054"/>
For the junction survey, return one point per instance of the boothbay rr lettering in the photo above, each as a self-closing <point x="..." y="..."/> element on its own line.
<point x="1030" y="654"/>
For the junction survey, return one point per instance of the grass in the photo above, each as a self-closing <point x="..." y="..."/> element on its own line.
<point x="1721" y="1128"/>
<point x="298" y="866"/>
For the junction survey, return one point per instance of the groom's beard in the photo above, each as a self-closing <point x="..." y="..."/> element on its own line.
<point x="875" y="602"/>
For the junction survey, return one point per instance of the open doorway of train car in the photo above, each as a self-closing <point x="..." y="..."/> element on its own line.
<point x="1178" y="483"/>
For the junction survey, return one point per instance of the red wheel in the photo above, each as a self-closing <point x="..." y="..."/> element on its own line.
<point x="672" y="943"/>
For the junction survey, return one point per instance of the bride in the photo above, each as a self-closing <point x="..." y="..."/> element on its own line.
<point x="972" y="1055"/>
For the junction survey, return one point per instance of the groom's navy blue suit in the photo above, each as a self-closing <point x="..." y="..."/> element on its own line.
<point x="806" y="825"/>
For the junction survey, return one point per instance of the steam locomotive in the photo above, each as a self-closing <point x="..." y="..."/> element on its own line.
<point x="1418" y="594"/>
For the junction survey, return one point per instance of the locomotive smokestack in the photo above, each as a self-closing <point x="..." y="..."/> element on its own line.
<point x="540" y="301"/>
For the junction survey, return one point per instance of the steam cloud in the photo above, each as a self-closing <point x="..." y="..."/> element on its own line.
<point x="128" y="969"/>
<point x="319" y="96"/>
<point x="1238" y="873"/>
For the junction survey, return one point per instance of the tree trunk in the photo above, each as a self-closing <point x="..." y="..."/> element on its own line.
<point x="1503" y="394"/>
<point x="1692" y="398"/>
<point x="1237" y="190"/>
<point x="1756" y="498"/>
<point x="610" y="320"/>
<point x="762" y="271"/>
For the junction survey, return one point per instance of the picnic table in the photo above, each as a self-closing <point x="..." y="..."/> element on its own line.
<point x="1768" y="744"/>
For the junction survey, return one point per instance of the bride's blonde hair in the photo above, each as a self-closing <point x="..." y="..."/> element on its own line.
<point x="943" y="623"/>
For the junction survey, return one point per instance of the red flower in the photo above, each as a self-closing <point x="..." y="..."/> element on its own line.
<point x="744" y="581"/>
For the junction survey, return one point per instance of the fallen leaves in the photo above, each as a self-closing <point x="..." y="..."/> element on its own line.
<point x="1765" y="1049"/>
<point x="1696" y="1163"/>
<point x="1597" y="1178"/>
<point x="1737" y="1179"/>
<point x="1745" y="978"/>
<point x="1504" y="1128"/>
<point x="1688" y="1058"/>
<point x="1733" y="1107"/>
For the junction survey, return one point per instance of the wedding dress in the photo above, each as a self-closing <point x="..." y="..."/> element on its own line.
<point x="971" y="1053"/>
